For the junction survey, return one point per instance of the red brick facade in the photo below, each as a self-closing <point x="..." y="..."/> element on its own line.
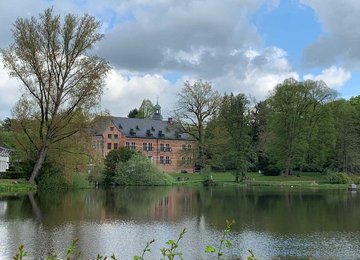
<point x="168" y="154"/>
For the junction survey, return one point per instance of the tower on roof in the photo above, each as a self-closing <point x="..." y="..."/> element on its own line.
<point x="157" y="112"/>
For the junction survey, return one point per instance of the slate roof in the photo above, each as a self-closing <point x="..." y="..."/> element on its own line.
<point x="149" y="128"/>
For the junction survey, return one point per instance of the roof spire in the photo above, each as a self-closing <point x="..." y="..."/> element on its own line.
<point x="157" y="111"/>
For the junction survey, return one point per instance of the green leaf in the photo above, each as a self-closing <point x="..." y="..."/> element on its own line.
<point x="170" y="242"/>
<point x="228" y="243"/>
<point x="210" y="249"/>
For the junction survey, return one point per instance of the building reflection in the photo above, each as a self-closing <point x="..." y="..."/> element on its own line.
<point x="179" y="203"/>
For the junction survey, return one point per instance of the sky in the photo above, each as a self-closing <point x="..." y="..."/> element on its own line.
<point x="240" y="46"/>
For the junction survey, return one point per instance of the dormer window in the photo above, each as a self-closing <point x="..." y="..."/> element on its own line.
<point x="148" y="133"/>
<point x="161" y="134"/>
<point x="132" y="132"/>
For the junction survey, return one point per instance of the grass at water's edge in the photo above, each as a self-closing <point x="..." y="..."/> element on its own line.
<point x="310" y="180"/>
<point x="305" y="180"/>
<point x="9" y="186"/>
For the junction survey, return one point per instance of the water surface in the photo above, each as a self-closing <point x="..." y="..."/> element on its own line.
<point x="274" y="223"/>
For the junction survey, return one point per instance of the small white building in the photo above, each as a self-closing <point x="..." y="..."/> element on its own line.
<point x="4" y="158"/>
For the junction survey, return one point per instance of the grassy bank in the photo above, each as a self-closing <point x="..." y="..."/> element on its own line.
<point x="15" y="186"/>
<point x="305" y="180"/>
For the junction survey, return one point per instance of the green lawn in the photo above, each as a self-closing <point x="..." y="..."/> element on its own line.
<point x="15" y="186"/>
<point x="306" y="180"/>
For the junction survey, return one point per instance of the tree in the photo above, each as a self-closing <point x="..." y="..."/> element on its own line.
<point x="5" y="125"/>
<point x="346" y="153"/>
<point x="146" y="110"/>
<point x="133" y="113"/>
<point x="229" y="136"/>
<point x="295" y="112"/>
<point x="112" y="159"/>
<point x="50" y="56"/>
<point x="235" y="113"/>
<point x="196" y="104"/>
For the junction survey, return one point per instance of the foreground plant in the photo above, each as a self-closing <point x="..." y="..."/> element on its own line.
<point x="223" y="241"/>
<point x="20" y="254"/>
<point x="170" y="252"/>
<point x="146" y="249"/>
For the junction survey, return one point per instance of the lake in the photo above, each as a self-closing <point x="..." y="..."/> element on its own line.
<point x="273" y="223"/>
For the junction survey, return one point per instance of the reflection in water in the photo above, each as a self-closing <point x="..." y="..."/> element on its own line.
<point x="288" y="223"/>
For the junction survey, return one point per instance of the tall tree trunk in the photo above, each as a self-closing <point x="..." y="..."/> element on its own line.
<point x="39" y="161"/>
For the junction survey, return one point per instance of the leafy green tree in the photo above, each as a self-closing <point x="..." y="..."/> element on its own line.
<point x="140" y="171"/>
<point x="295" y="110"/>
<point x="195" y="106"/>
<point x="5" y="125"/>
<point x="50" y="56"/>
<point x="112" y="159"/>
<point x="346" y="153"/>
<point x="146" y="110"/>
<point x="258" y="124"/>
<point x="133" y="113"/>
<point x="231" y="140"/>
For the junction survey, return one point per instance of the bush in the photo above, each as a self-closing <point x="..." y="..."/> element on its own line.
<point x="80" y="181"/>
<point x="51" y="177"/>
<point x="112" y="159"/>
<point x="338" y="178"/>
<point x="13" y="175"/>
<point x="268" y="168"/>
<point x="139" y="170"/>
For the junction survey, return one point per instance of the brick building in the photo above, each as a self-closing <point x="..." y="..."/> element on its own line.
<point x="161" y="141"/>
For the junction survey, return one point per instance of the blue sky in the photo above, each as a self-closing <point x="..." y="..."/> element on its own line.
<point x="240" y="46"/>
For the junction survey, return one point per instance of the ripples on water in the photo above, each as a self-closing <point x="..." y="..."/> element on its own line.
<point x="274" y="224"/>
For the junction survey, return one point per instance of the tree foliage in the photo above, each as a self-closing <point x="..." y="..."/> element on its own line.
<point x="112" y="159"/>
<point x="50" y="56"/>
<point x="140" y="171"/>
<point x="229" y="136"/>
<point x="296" y="111"/>
<point x="196" y="104"/>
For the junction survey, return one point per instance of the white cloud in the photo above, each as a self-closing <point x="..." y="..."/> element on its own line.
<point x="334" y="77"/>
<point x="125" y="91"/>
<point x="340" y="40"/>
<point x="264" y="69"/>
<point x="10" y="92"/>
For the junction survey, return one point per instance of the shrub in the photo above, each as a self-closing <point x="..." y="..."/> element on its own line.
<point x="268" y="168"/>
<point x="80" y="181"/>
<point x="51" y="177"/>
<point x="139" y="170"/>
<point x="338" y="178"/>
<point x="112" y="159"/>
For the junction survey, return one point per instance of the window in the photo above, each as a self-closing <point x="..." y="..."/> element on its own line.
<point x="148" y="147"/>
<point x="162" y="148"/>
<point x="133" y="146"/>
<point x="109" y="136"/>
<point x="111" y="128"/>
<point x="162" y="161"/>
<point x="116" y="136"/>
<point x="183" y="147"/>
<point x="167" y="160"/>
<point x="127" y="145"/>
<point x="115" y="146"/>
<point x="109" y="146"/>
<point x="167" y="148"/>
<point x="189" y="146"/>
